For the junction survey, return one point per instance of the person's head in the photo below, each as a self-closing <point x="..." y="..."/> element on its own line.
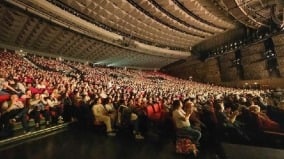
<point x="177" y="104"/>
<point x="188" y="106"/>
<point x="53" y="95"/>
<point x="46" y="93"/>
<point x="254" y="108"/>
<point x="99" y="101"/>
<point x="144" y="101"/>
<point x="37" y="96"/>
<point x="86" y="98"/>
<point x="109" y="100"/>
<point x="150" y="100"/>
<point x="130" y="102"/>
<point x="29" y="92"/>
<point x="14" y="97"/>
<point x="139" y="101"/>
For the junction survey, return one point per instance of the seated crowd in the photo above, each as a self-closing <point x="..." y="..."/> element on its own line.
<point x="49" y="63"/>
<point x="117" y="97"/>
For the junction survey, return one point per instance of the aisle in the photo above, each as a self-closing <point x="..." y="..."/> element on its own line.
<point x="79" y="144"/>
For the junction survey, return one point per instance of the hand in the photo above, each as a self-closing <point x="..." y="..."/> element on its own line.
<point x="236" y="112"/>
<point x="189" y="110"/>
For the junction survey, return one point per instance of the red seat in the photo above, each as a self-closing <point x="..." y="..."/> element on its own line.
<point x="156" y="108"/>
<point x="4" y="98"/>
<point x="153" y="112"/>
<point x="34" y="90"/>
<point x="160" y="103"/>
<point x="149" y="111"/>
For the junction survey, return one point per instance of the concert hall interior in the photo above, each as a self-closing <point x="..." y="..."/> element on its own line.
<point x="149" y="79"/>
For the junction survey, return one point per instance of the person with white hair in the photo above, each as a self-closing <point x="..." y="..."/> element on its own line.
<point x="264" y="122"/>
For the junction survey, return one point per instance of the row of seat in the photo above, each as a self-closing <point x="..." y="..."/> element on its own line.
<point x="154" y="112"/>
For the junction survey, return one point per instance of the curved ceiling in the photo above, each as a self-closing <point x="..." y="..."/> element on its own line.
<point x="255" y="13"/>
<point x="36" y="34"/>
<point x="172" y="23"/>
<point x="135" y="33"/>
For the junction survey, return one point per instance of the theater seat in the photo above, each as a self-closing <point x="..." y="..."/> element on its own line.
<point x="149" y="111"/>
<point x="157" y="108"/>
<point x="35" y="90"/>
<point x="153" y="112"/>
<point x="4" y="98"/>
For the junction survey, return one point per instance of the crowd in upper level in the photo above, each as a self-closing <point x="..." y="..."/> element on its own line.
<point x="54" y="90"/>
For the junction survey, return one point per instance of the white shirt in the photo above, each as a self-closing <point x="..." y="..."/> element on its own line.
<point x="98" y="110"/>
<point x="178" y="117"/>
<point x="109" y="107"/>
<point x="53" y="102"/>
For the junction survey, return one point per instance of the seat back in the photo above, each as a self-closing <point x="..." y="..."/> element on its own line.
<point x="156" y="108"/>
<point x="149" y="111"/>
<point x="4" y="98"/>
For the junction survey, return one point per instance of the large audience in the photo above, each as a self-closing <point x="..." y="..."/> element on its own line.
<point x="56" y="90"/>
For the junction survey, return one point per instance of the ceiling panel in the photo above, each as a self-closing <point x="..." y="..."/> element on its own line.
<point x="168" y="24"/>
<point x="40" y="35"/>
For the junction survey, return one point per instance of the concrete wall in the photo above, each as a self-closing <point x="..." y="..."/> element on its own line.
<point x="207" y="71"/>
<point x="221" y="70"/>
